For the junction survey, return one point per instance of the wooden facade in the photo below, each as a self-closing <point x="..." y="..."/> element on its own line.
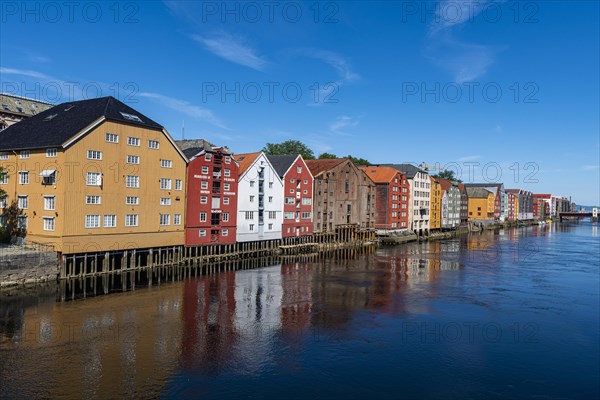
<point x="392" y="197"/>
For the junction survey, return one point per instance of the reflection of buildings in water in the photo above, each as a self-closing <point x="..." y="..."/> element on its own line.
<point x="108" y="347"/>
<point x="208" y="313"/>
<point x="296" y="302"/>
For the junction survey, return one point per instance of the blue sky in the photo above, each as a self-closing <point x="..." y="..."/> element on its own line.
<point x="489" y="86"/>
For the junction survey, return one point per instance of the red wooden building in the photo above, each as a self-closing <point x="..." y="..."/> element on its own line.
<point x="541" y="205"/>
<point x="392" y="196"/>
<point x="297" y="194"/>
<point x="211" y="208"/>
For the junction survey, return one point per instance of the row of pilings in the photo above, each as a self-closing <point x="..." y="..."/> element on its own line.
<point x="93" y="264"/>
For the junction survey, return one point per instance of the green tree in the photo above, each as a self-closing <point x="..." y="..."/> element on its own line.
<point x="358" y="161"/>
<point x="447" y="174"/>
<point x="2" y="173"/>
<point x="289" y="147"/>
<point x="11" y="218"/>
<point x="327" y="155"/>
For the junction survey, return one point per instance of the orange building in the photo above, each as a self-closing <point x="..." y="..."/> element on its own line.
<point x="481" y="203"/>
<point x="435" y="204"/>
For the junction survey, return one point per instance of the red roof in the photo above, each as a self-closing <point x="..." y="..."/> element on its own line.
<point x="380" y="174"/>
<point x="317" y="167"/>
<point x="542" y="196"/>
<point x="246" y="160"/>
<point x="445" y="184"/>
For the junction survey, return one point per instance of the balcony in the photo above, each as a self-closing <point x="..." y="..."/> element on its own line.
<point x="216" y="175"/>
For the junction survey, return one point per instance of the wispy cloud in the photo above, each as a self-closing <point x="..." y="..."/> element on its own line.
<point x="589" y="167"/>
<point x="234" y="49"/>
<point x="469" y="158"/>
<point x="338" y="126"/>
<point x="338" y="62"/>
<point x="185" y="107"/>
<point x="465" y="61"/>
<point x="28" y="73"/>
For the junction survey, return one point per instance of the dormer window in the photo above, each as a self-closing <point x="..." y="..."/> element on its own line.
<point x="50" y="117"/>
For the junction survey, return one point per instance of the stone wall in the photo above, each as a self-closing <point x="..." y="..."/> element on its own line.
<point x="28" y="268"/>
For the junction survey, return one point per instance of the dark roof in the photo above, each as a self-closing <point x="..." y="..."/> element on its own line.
<point x="282" y="163"/>
<point x="476" y="192"/>
<point x="22" y="106"/>
<point x="192" y="151"/>
<point x="407" y="169"/>
<point x="55" y="126"/>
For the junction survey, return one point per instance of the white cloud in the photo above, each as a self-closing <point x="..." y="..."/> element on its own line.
<point x="469" y="158"/>
<point x="590" y="167"/>
<point x="232" y="49"/>
<point x="185" y="107"/>
<point x="338" y="62"/>
<point x="341" y="123"/>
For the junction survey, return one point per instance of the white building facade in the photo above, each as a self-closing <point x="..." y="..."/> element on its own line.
<point x="260" y="199"/>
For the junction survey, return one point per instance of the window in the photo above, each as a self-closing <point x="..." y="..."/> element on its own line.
<point x="165" y="201"/>
<point x="131" y="220"/>
<point x="251" y="227"/>
<point x="48" y="224"/>
<point x="131" y="117"/>
<point x="204" y="169"/>
<point x="216" y="203"/>
<point x="110" y="221"/>
<point x="203" y="200"/>
<point x="307" y="201"/>
<point x="24" y="177"/>
<point x="204" y="185"/>
<point x="249" y="215"/>
<point x="4" y="179"/>
<point x="94" y="155"/>
<point x="153" y="144"/>
<point x="93" y="200"/>
<point x="166" y="163"/>
<point x="270" y="185"/>
<point x="227" y="160"/>
<point x="270" y="199"/>
<point x="272" y="214"/>
<point x="132" y="200"/>
<point x="225" y="200"/>
<point x="94" y="179"/>
<point x="292" y="180"/>
<point x="22" y="221"/>
<point x="51" y="153"/>
<point x="225" y="232"/>
<point x="306" y="215"/>
<point x="292" y="191"/>
<point x="178" y="184"/>
<point x="290" y="200"/>
<point x="202" y="217"/>
<point x="133" y="141"/>
<point x="227" y="172"/>
<point x="226" y="186"/>
<point x="3" y="202"/>
<point x="176" y="219"/>
<point x="112" y="138"/>
<point x="132" y="181"/>
<point x="251" y="183"/>
<point x="165" y="219"/>
<point x="288" y="215"/>
<point x="3" y="156"/>
<point x="208" y="157"/>
<point x="225" y="217"/>
<point x="23" y="202"/>
<point x="270" y="227"/>
<point x="251" y="199"/>
<point x="202" y="233"/>
<point x="165" y="183"/>
<point x="299" y="170"/>
<point x="133" y="159"/>
<point x="92" y="221"/>
<point x="24" y="154"/>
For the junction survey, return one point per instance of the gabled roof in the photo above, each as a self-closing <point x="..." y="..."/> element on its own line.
<point x="317" y="167"/>
<point x="56" y="126"/>
<point x="281" y="163"/>
<point x="478" y="193"/>
<point x="23" y="106"/>
<point x="380" y="174"/>
<point x="246" y="160"/>
<point x="446" y="184"/>
<point x="192" y="152"/>
<point x="407" y="169"/>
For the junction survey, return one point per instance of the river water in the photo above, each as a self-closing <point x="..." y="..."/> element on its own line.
<point x="506" y="314"/>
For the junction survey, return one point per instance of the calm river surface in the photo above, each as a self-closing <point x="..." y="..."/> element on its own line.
<point x="508" y="314"/>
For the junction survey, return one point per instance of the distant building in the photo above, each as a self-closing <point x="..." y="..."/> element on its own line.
<point x="16" y="108"/>
<point x="297" y="194"/>
<point x="343" y="194"/>
<point x="212" y="188"/>
<point x="464" y="205"/>
<point x="513" y="204"/>
<point x="481" y="204"/>
<point x="500" y="211"/>
<point x="451" y="204"/>
<point x="542" y="205"/>
<point x="260" y="199"/>
<point x="95" y="175"/>
<point x="392" y="197"/>
<point x="420" y="195"/>
<point x="525" y="201"/>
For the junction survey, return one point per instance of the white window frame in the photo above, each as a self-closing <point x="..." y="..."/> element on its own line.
<point x="176" y="219"/>
<point x="165" y="183"/>
<point x="47" y="222"/>
<point x="130" y="218"/>
<point x="153" y="144"/>
<point x="165" y="201"/>
<point x="203" y="216"/>
<point x="203" y="199"/>
<point x="25" y="201"/>
<point x="131" y="159"/>
<point x="92" y="221"/>
<point x="97" y="181"/>
<point x="23" y="177"/>
<point x="165" y="219"/>
<point x="133" y="141"/>
<point x="51" y="153"/>
<point x="135" y="203"/>
<point x="166" y="163"/>
<point x="225" y="217"/>
<point x="132" y="181"/>
<point x="113" y="219"/>
<point x="178" y="184"/>
<point x="90" y="199"/>
<point x="111" y="137"/>
<point x="24" y="154"/>
<point x="94" y="155"/>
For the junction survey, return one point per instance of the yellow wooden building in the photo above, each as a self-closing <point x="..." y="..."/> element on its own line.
<point x="435" y="204"/>
<point x="94" y="175"/>
<point x="481" y="203"/>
